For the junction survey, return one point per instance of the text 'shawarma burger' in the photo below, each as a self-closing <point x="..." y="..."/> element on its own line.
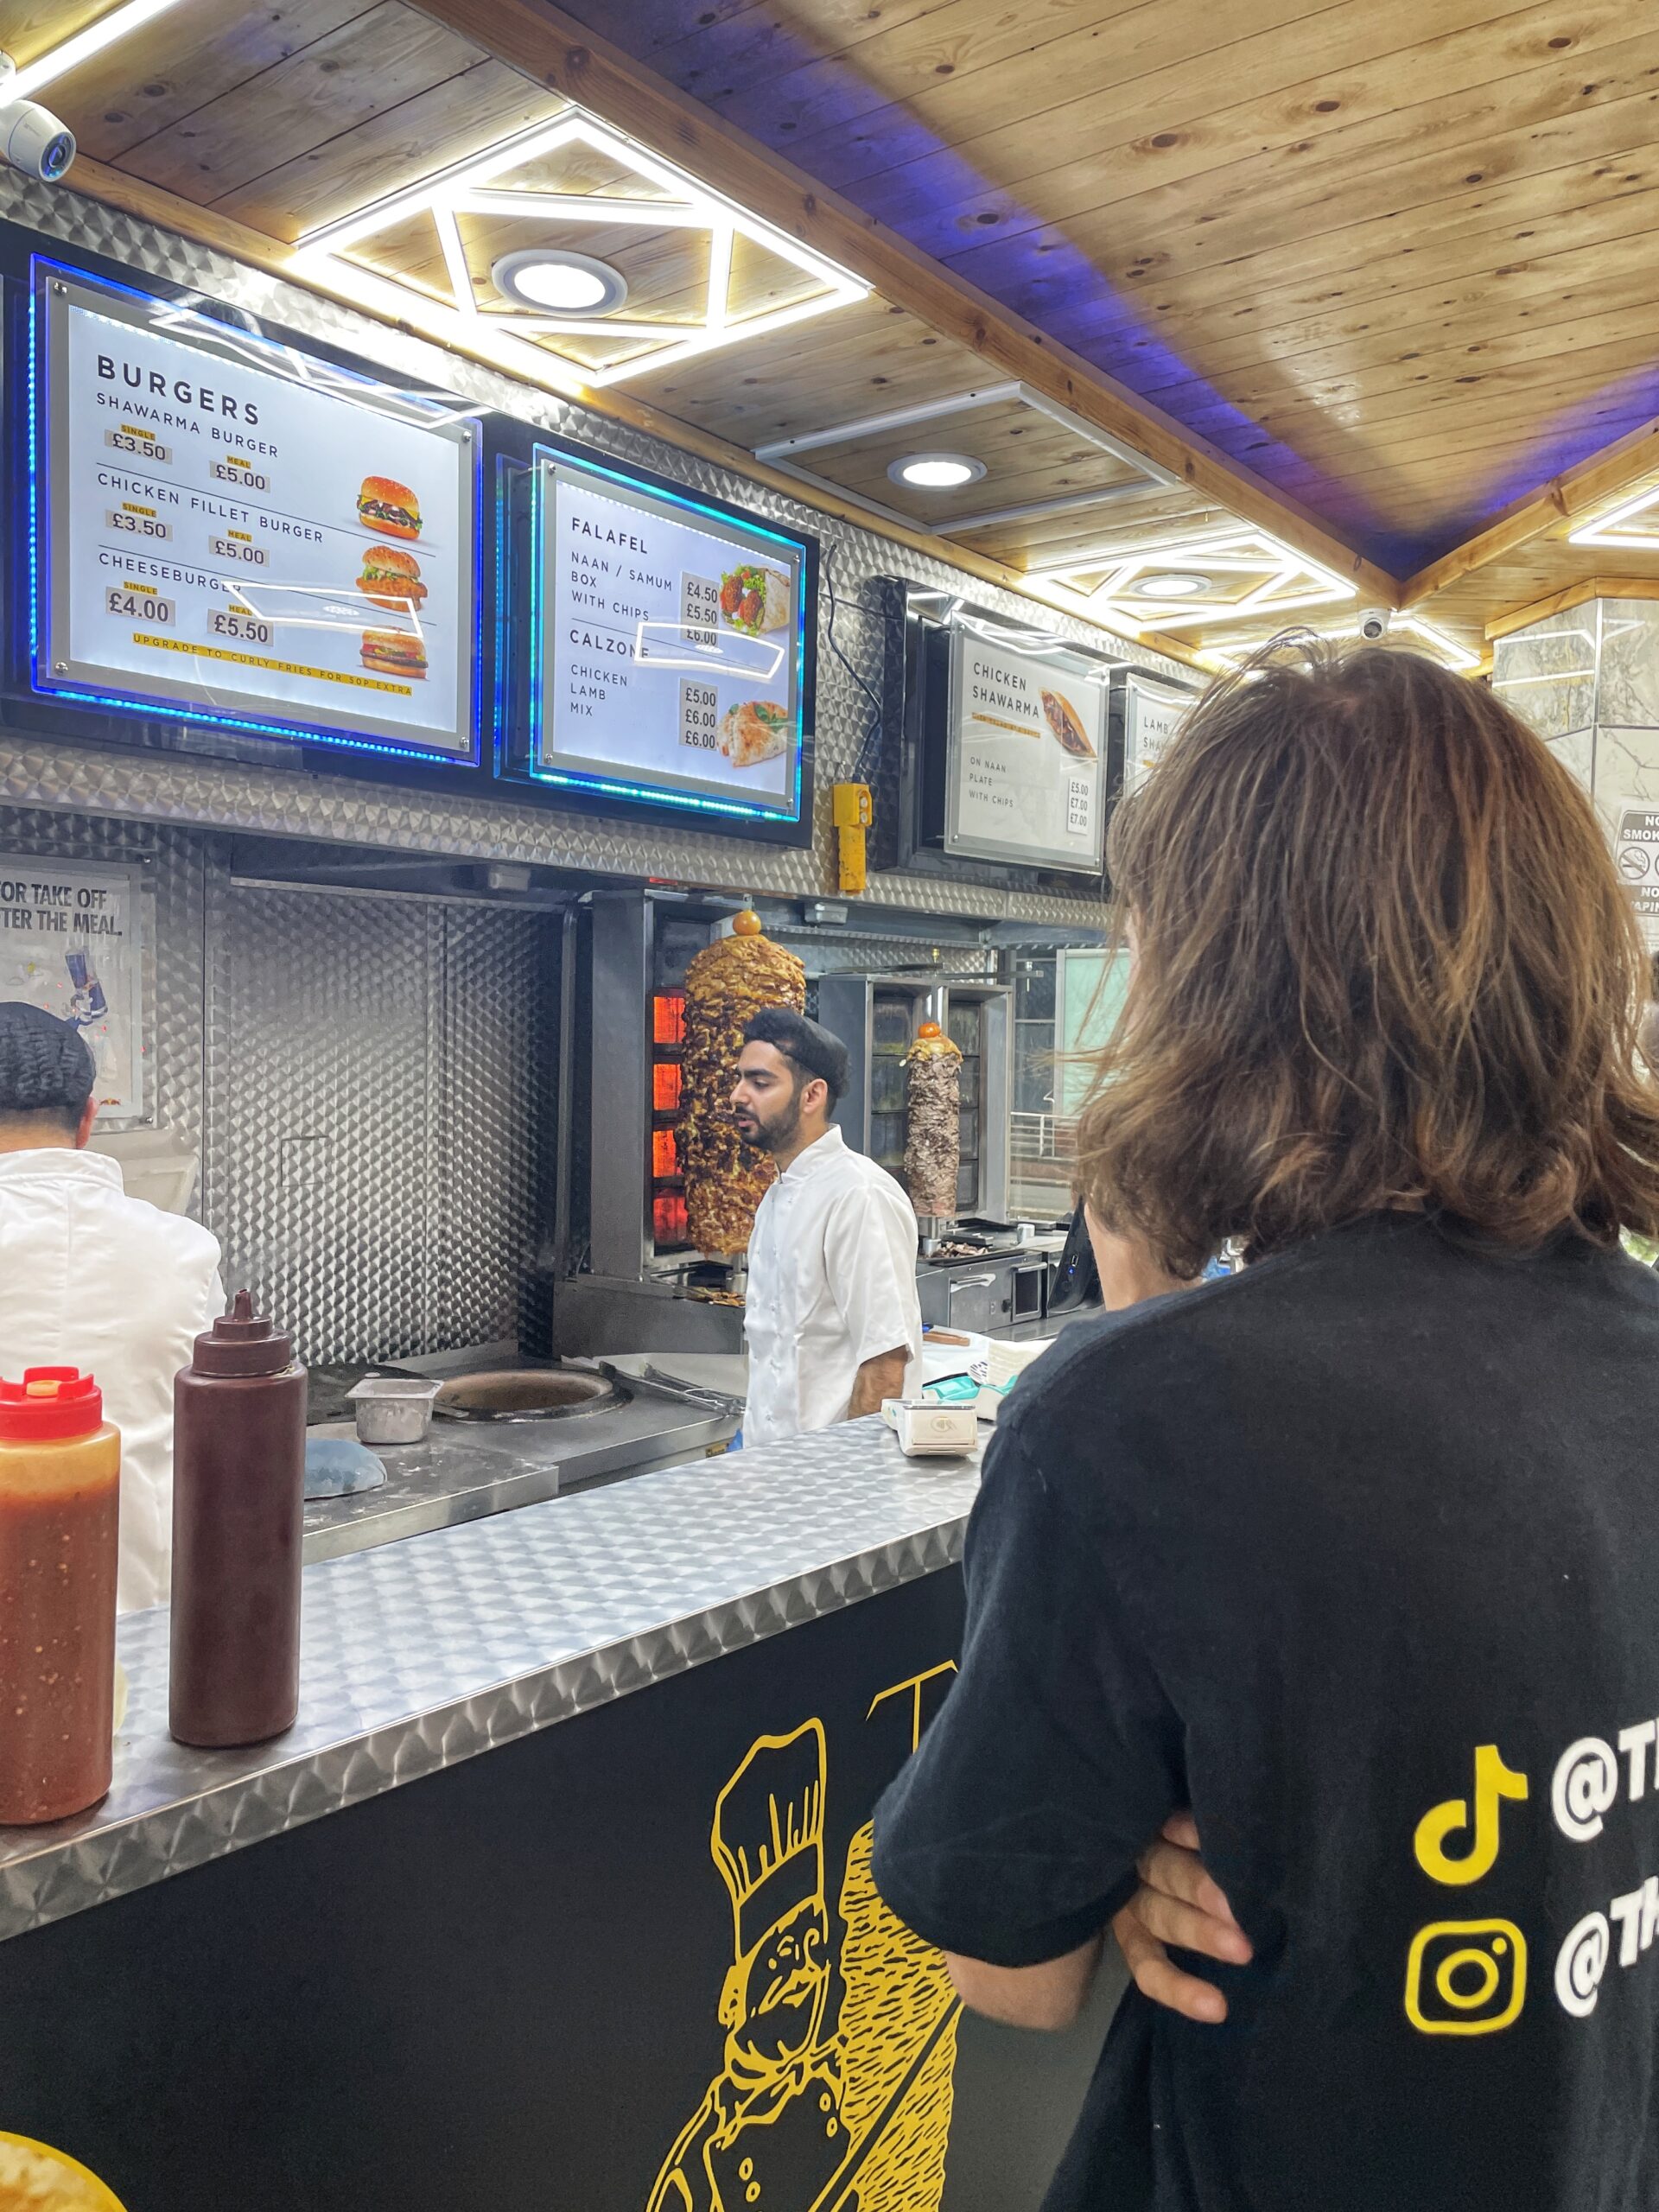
<point x="389" y="508"/>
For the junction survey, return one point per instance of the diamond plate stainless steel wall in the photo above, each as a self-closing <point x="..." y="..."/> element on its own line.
<point x="181" y="788"/>
<point x="493" y="1158"/>
<point x="367" y="1080"/>
<point x="375" y="1091"/>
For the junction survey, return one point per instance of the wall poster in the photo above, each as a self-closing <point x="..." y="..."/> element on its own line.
<point x="72" y="940"/>
<point x="1025" y="775"/>
<point x="668" y="643"/>
<point x="231" y="532"/>
<point x="1635" y="855"/>
<point x="1153" y="719"/>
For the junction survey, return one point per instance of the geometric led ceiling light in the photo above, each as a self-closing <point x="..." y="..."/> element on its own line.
<point x="1403" y="630"/>
<point x="1229" y="574"/>
<point x="698" y="272"/>
<point x="1634" y="524"/>
<point x="1411" y="629"/>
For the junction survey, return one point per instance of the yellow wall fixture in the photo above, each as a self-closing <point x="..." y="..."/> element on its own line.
<point x="853" y="816"/>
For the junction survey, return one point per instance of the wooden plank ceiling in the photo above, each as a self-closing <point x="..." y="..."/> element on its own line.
<point x="1375" y="281"/>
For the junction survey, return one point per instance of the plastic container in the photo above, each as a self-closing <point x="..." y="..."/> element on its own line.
<point x="393" y="1408"/>
<point x="60" y="1547"/>
<point x="239" y="1511"/>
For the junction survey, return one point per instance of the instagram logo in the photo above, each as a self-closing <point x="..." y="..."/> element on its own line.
<point x="1465" y="1977"/>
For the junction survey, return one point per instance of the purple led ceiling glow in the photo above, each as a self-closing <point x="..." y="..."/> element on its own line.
<point x="763" y="76"/>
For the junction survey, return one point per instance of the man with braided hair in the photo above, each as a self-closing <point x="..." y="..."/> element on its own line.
<point x="92" y="1279"/>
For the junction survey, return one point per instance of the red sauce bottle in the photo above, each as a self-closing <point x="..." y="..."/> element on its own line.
<point x="60" y="1546"/>
<point x="238" y="1505"/>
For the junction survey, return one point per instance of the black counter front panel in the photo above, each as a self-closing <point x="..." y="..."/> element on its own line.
<point x="633" y="1963"/>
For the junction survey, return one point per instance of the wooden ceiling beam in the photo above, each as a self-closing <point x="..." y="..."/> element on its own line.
<point x="1563" y="602"/>
<point x="552" y="49"/>
<point x="150" y="203"/>
<point x="1618" y="467"/>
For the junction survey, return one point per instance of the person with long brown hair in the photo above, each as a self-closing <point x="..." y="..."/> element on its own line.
<point x="1350" y="1558"/>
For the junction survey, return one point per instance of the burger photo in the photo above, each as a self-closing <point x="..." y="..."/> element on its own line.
<point x="391" y="578"/>
<point x="389" y="506"/>
<point x="394" y="652"/>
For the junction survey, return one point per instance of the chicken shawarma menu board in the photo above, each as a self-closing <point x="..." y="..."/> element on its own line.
<point x="1027" y="741"/>
<point x="669" y="646"/>
<point x="234" y="533"/>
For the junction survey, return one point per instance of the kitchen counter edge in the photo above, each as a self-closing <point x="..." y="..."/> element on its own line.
<point x="424" y="1653"/>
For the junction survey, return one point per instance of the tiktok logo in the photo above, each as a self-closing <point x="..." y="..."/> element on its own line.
<point x="1467" y="1977"/>
<point x="1493" y="1782"/>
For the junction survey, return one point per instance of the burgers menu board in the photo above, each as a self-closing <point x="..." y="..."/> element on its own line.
<point x="1025" y="776"/>
<point x="229" y="531"/>
<point x="668" y="638"/>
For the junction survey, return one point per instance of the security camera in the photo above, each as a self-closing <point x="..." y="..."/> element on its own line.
<point x="32" y="138"/>
<point x="1374" y="623"/>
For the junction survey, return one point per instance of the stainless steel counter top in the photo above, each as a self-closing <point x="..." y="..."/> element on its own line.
<point x="422" y="1654"/>
<point x="464" y="1471"/>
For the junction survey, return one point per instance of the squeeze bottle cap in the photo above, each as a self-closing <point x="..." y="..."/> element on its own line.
<point x="242" y="1342"/>
<point x="49" y="1404"/>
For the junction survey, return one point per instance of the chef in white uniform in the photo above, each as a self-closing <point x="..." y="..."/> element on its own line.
<point x="832" y="1317"/>
<point x="92" y="1279"/>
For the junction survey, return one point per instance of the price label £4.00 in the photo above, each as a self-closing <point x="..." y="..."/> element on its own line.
<point x="699" y="715"/>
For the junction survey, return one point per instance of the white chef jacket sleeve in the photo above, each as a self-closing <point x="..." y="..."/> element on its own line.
<point x="870" y="1257"/>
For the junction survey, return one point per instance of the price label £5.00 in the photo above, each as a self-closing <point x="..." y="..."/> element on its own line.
<point x="699" y="716"/>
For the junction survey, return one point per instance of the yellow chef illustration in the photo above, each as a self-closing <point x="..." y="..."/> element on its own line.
<point x="835" y="2092"/>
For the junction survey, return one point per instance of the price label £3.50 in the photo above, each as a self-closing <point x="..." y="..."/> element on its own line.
<point x="699" y="716"/>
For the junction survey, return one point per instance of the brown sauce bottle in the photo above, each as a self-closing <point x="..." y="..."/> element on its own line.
<point x="239" y="1507"/>
<point x="59" y="1512"/>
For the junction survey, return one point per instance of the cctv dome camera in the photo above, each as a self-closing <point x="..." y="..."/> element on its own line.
<point x="32" y="138"/>
<point x="1374" y="623"/>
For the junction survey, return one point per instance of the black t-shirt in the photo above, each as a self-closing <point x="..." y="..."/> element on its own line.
<point x="1326" y="1551"/>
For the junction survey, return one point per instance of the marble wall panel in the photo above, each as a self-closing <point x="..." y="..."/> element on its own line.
<point x="1628" y="694"/>
<point x="1548" y="672"/>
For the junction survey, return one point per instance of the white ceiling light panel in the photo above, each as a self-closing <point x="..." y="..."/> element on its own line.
<point x="482" y="186"/>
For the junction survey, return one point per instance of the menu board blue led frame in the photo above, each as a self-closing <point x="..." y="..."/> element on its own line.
<point x="231" y="532"/>
<point x="669" y="646"/>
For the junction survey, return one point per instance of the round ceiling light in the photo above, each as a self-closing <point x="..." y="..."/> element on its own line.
<point x="935" y="472"/>
<point x="553" y="283"/>
<point x="1173" y="587"/>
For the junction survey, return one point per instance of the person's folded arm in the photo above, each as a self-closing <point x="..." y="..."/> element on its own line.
<point x="1047" y="1996"/>
<point x="1011" y="1838"/>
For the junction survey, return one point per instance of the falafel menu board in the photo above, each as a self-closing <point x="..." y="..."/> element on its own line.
<point x="668" y="644"/>
<point x="1025" y="776"/>
<point x="232" y="531"/>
